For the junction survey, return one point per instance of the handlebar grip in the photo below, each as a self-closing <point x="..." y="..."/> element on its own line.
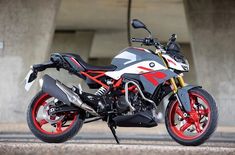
<point x="137" y="40"/>
<point x="56" y="60"/>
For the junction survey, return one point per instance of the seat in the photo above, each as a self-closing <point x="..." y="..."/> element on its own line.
<point x="87" y="66"/>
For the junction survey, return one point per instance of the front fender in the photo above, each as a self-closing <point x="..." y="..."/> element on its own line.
<point x="183" y="96"/>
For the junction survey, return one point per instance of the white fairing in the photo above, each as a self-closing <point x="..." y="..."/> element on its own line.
<point x="130" y="57"/>
<point x="174" y="64"/>
<point x="136" y="68"/>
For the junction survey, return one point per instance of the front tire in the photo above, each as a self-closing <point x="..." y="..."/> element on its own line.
<point x="198" y="125"/>
<point x="63" y="127"/>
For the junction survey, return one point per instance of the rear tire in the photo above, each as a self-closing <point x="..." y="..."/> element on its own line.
<point x="58" y="136"/>
<point x="204" y="131"/>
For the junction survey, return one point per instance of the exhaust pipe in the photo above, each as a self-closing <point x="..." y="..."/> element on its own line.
<point x="63" y="93"/>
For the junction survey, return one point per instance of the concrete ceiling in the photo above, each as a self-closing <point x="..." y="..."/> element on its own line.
<point x="92" y="14"/>
<point x="163" y="17"/>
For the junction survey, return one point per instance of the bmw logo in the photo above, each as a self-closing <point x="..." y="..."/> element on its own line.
<point x="151" y="64"/>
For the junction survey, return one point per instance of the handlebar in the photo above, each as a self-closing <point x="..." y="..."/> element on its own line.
<point x="145" y="41"/>
<point x="154" y="42"/>
<point x="148" y="42"/>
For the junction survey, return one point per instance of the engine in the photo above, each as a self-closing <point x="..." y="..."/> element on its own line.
<point x="141" y="116"/>
<point x="136" y="101"/>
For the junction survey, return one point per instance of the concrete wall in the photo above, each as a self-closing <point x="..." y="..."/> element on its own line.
<point x="189" y="77"/>
<point x="108" y="43"/>
<point x="212" y="28"/>
<point x="26" y="29"/>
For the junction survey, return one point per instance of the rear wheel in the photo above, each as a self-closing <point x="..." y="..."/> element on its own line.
<point x="195" y="127"/>
<point x="51" y="128"/>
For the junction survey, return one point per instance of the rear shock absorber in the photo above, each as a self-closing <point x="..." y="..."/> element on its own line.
<point x="101" y="91"/>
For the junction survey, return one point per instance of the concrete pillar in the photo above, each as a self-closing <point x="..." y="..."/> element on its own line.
<point x="26" y="30"/>
<point x="212" y="28"/>
<point x="77" y="42"/>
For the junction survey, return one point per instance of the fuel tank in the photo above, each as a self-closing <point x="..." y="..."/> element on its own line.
<point x="134" y="60"/>
<point x="133" y="55"/>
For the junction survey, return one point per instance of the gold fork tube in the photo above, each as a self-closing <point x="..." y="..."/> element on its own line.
<point x="172" y="80"/>
<point x="175" y="88"/>
<point x="181" y="81"/>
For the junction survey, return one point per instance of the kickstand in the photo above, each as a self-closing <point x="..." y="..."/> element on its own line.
<point x="114" y="134"/>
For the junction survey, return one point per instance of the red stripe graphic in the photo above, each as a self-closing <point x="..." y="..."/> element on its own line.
<point x="152" y="77"/>
<point x="169" y="60"/>
<point x="74" y="61"/>
<point x="144" y="68"/>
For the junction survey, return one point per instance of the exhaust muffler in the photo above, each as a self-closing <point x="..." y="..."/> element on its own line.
<point x="63" y="93"/>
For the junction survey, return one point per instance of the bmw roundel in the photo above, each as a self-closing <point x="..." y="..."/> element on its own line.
<point x="151" y="64"/>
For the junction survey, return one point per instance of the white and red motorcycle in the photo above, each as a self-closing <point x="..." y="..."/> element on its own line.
<point x="129" y="92"/>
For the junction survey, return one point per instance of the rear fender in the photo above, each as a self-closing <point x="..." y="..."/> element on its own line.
<point x="32" y="75"/>
<point x="55" y="62"/>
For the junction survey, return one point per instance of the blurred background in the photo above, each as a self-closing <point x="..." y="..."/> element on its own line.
<point x="30" y="30"/>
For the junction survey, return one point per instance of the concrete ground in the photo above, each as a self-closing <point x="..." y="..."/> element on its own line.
<point x="96" y="138"/>
<point x="130" y="149"/>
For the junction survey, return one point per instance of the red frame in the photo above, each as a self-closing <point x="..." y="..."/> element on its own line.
<point x="95" y="75"/>
<point x="98" y="74"/>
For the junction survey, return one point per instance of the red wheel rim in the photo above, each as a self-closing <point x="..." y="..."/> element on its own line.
<point x="58" y="129"/>
<point x="189" y="128"/>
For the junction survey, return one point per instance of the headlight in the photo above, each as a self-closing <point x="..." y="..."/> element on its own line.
<point x="179" y="59"/>
<point x="185" y="65"/>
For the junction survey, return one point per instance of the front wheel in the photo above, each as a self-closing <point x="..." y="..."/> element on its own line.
<point x="52" y="129"/>
<point x="196" y="127"/>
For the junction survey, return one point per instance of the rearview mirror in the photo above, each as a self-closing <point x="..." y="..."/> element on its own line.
<point x="137" y="24"/>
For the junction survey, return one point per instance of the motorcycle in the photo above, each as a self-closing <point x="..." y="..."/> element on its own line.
<point x="128" y="94"/>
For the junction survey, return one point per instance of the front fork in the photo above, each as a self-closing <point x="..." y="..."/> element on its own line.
<point x="180" y="91"/>
<point x="172" y="80"/>
<point x="181" y="83"/>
